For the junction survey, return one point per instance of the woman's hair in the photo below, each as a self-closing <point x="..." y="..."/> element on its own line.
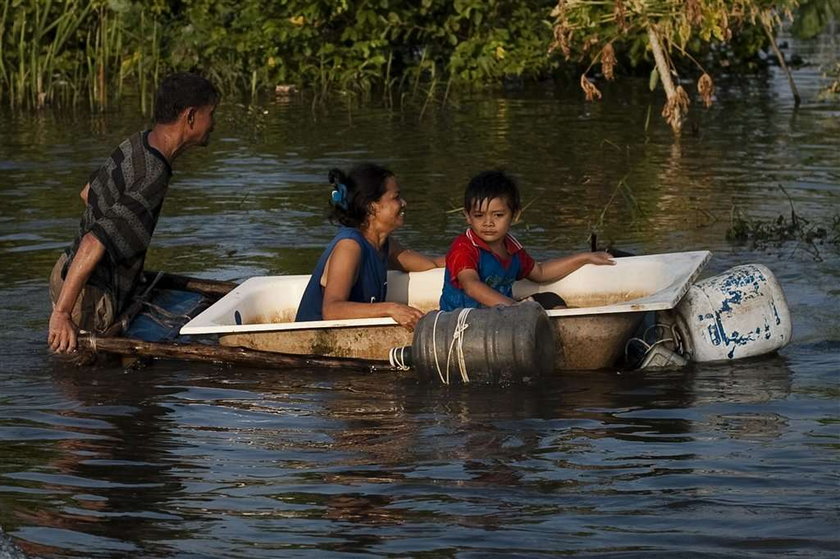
<point x="489" y="185"/>
<point x="353" y="193"/>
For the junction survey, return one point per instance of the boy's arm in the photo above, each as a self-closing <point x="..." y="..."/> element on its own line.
<point x="557" y="268"/>
<point x="480" y="291"/>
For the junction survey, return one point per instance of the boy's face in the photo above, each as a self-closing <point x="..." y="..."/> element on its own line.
<point x="490" y="219"/>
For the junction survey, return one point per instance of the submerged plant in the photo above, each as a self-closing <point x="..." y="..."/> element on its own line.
<point x="760" y="234"/>
<point x="833" y="88"/>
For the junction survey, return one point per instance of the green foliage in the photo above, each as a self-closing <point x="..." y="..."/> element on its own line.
<point x="356" y="46"/>
<point x="812" y="16"/>
<point x="39" y="48"/>
<point x="352" y="46"/>
<point x="64" y="51"/>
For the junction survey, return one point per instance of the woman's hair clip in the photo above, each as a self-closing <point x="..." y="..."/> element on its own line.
<point x="339" y="196"/>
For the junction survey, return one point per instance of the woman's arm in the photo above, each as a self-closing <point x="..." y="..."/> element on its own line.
<point x="552" y="270"/>
<point x="480" y="291"/>
<point x="409" y="260"/>
<point x="339" y="276"/>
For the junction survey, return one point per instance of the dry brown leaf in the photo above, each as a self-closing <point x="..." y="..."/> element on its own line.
<point x="589" y="89"/>
<point x="676" y="107"/>
<point x="562" y="40"/>
<point x="608" y="61"/>
<point x="620" y="15"/>
<point x="706" y="89"/>
<point x="692" y="12"/>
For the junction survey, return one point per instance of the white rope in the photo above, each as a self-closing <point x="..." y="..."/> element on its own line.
<point x="458" y="337"/>
<point x="434" y="350"/>
<point x="397" y="358"/>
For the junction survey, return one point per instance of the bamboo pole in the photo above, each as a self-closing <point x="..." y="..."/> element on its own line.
<point x="222" y="354"/>
<point x="665" y="75"/>
<point x="797" y="100"/>
<point x="210" y="288"/>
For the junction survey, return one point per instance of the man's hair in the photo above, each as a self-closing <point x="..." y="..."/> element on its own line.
<point x="488" y="185"/>
<point x="181" y="91"/>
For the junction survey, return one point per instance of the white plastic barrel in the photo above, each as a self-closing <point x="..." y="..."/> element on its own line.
<point x="739" y="313"/>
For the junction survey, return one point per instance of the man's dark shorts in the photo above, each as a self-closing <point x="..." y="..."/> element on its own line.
<point x="94" y="310"/>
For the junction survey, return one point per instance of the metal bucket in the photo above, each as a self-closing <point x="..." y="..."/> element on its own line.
<point x="489" y="345"/>
<point x="739" y="313"/>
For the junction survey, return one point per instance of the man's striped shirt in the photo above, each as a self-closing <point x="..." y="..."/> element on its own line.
<point x="124" y="202"/>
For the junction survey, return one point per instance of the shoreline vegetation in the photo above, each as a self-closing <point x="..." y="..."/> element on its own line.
<point x="57" y="53"/>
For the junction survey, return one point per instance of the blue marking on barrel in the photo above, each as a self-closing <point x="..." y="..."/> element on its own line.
<point x="736" y="295"/>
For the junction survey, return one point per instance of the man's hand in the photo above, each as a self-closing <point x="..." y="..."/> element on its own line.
<point x="63" y="332"/>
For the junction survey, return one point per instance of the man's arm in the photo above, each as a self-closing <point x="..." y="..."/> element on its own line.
<point x="63" y="333"/>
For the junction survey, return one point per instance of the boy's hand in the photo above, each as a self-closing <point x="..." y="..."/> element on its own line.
<point x="601" y="258"/>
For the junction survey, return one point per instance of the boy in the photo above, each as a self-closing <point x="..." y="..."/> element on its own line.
<point x="483" y="263"/>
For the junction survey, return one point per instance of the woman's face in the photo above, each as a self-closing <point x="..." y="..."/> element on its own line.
<point x="389" y="211"/>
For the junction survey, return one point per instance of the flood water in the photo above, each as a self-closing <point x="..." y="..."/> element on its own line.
<point x="196" y="460"/>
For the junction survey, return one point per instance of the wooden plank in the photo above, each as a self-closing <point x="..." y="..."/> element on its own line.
<point x="213" y="288"/>
<point x="223" y="354"/>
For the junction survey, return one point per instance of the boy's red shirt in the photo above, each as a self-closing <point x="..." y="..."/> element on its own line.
<point x="464" y="254"/>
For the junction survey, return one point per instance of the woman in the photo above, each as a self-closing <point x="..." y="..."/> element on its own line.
<point x="350" y="279"/>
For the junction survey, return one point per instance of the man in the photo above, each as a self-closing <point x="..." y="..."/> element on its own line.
<point x="93" y="282"/>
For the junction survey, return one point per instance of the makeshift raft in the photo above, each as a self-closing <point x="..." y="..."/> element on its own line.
<point x="739" y="313"/>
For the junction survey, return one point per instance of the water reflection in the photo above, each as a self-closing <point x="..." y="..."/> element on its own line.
<point x="110" y="469"/>
<point x="348" y="456"/>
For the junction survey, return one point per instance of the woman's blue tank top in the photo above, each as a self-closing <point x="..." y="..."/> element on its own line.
<point x="370" y="286"/>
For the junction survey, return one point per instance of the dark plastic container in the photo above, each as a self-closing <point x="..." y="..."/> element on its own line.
<point x="497" y="345"/>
